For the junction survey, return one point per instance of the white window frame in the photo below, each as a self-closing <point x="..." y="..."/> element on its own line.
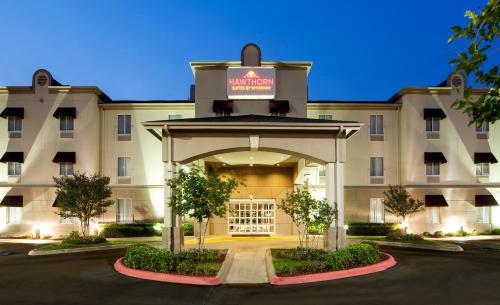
<point x="66" y="220"/>
<point x="17" y="124"/>
<point x="435" y="169"/>
<point x="127" y="168"/>
<point x="377" y="210"/>
<point x="175" y="116"/>
<point x="66" y="169"/>
<point x="376" y="169"/>
<point x="121" y="217"/>
<point x="124" y="131"/>
<point x="483" y="129"/>
<point x="435" y="125"/>
<point x="325" y="116"/>
<point x="483" y="169"/>
<point x="433" y="215"/>
<point x="65" y="122"/>
<point x="483" y="215"/>
<point x="379" y="126"/>
<point x="14" y="215"/>
<point x="17" y="169"/>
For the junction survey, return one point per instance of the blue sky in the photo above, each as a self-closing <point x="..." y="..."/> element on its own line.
<point x="361" y="50"/>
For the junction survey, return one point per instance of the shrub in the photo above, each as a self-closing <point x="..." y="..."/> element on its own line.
<point x="316" y="229"/>
<point x="301" y="254"/>
<point x="76" y="239"/>
<point x="494" y="232"/>
<point x="353" y="256"/>
<point x="130" y="230"/>
<point x="188" y="229"/>
<point x="398" y="235"/>
<point x="438" y="234"/>
<point x="370" y="229"/>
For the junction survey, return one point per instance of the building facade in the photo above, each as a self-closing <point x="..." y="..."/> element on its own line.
<point x="251" y="118"/>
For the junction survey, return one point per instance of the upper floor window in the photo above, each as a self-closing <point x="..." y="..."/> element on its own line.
<point x="124" y="166"/>
<point x="66" y="124"/>
<point x="482" y="169"/>
<point x="15" y="124"/>
<point x="174" y="116"/>
<point x="432" y="169"/>
<point x="222" y="113"/>
<point x="376" y="166"/>
<point x="66" y="169"/>
<point x="484" y="128"/>
<point x="376" y="124"/>
<point x="432" y="124"/>
<point x="325" y="116"/>
<point x="124" y="124"/>
<point x="376" y="210"/>
<point x="14" y="168"/>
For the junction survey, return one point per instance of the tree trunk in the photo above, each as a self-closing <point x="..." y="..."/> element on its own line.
<point x="199" y="234"/>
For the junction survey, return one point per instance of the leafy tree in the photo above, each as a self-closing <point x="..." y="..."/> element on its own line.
<point x="400" y="203"/>
<point x="481" y="33"/>
<point x="83" y="196"/>
<point x="201" y="196"/>
<point x="305" y="211"/>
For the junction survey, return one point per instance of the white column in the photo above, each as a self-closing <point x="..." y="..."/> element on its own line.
<point x="334" y="172"/>
<point x="171" y="236"/>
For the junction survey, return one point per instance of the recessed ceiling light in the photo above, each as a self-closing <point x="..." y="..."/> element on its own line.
<point x="251" y="164"/>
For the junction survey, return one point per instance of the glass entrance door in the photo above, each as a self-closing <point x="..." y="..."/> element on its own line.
<point x="251" y="216"/>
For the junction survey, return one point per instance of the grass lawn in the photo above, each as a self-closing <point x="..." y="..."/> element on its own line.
<point x="428" y="242"/>
<point x="60" y="246"/>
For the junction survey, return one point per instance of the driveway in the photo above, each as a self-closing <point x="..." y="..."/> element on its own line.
<point x="420" y="277"/>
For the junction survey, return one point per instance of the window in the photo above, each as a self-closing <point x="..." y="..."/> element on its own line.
<point x="321" y="174"/>
<point x="376" y="124"/>
<point x="325" y="116"/>
<point x="65" y="218"/>
<point x="278" y="113"/>
<point x="482" y="169"/>
<point x="174" y="116"/>
<point x="432" y="124"/>
<point x="123" y="166"/>
<point x="483" y="214"/>
<point x="14" y="168"/>
<point x="433" y="215"/>
<point x="15" y="124"/>
<point x="222" y="113"/>
<point x="14" y="215"/>
<point x="124" y="210"/>
<point x="124" y="124"/>
<point x="376" y="210"/>
<point x="484" y="128"/>
<point x="432" y="169"/>
<point x="66" y="124"/>
<point x="376" y="167"/>
<point x="66" y="169"/>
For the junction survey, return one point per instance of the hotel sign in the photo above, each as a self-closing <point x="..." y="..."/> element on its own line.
<point x="251" y="82"/>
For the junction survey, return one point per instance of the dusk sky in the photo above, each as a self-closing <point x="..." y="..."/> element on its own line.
<point x="140" y="50"/>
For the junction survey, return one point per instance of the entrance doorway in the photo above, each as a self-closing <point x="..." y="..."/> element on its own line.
<point x="256" y="216"/>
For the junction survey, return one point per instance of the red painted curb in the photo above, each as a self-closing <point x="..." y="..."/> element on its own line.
<point x="165" y="277"/>
<point x="387" y="262"/>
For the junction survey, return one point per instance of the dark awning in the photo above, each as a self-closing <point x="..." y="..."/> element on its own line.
<point x="434" y="157"/>
<point x="222" y="106"/>
<point x="12" y="201"/>
<point x="56" y="203"/>
<point x="485" y="201"/>
<point x="435" y="201"/>
<point x="484" y="158"/>
<point x="12" y="157"/>
<point x="69" y="157"/>
<point x="12" y="111"/>
<point x="434" y="113"/>
<point x="279" y="106"/>
<point x="65" y="111"/>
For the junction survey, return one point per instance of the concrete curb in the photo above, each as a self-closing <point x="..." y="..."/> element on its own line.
<point x="387" y="262"/>
<point x="456" y="248"/>
<point x="35" y="252"/>
<point x="226" y="266"/>
<point x="271" y="272"/>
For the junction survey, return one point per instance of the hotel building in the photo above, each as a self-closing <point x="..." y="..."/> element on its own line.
<point x="252" y="118"/>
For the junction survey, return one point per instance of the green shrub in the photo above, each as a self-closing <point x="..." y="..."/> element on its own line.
<point x="316" y="229"/>
<point x="130" y="230"/>
<point x="353" y="256"/>
<point x="370" y="229"/>
<point x="398" y="235"/>
<point x="492" y="232"/>
<point x="301" y="254"/>
<point x="75" y="238"/>
<point x="188" y="229"/>
<point x="438" y="234"/>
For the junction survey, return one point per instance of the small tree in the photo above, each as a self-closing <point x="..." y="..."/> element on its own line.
<point x="201" y="196"/>
<point x="400" y="203"/>
<point x="83" y="196"/>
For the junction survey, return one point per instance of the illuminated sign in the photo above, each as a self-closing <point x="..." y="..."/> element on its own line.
<point x="251" y="82"/>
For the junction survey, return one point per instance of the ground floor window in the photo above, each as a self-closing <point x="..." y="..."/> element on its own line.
<point x="433" y="215"/>
<point x="482" y="169"/>
<point x="377" y="210"/>
<point x="251" y="217"/>
<point x="14" y="215"/>
<point x="66" y="169"/>
<point x="483" y="214"/>
<point x="124" y="210"/>
<point x="432" y="169"/>
<point x="65" y="218"/>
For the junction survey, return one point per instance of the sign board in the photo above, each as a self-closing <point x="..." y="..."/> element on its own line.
<point x="251" y="82"/>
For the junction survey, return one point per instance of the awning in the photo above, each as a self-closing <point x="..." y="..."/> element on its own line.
<point x="12" y="201"/>
<point x="279" y="106"/>
<point x="222" y="106"/>
<point x="64" y="157"/>
<point x="485" y="201"/>
<point x="484" y="158"/>
<point x="12" y="111"/>
<point x="435" y="201"/>
<point x="434" y="157"/>
<point x="12" y="157"/>
<point x="56" y="203"/>
<point x="65" y="111"/>
<point x="434" y="113"/>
